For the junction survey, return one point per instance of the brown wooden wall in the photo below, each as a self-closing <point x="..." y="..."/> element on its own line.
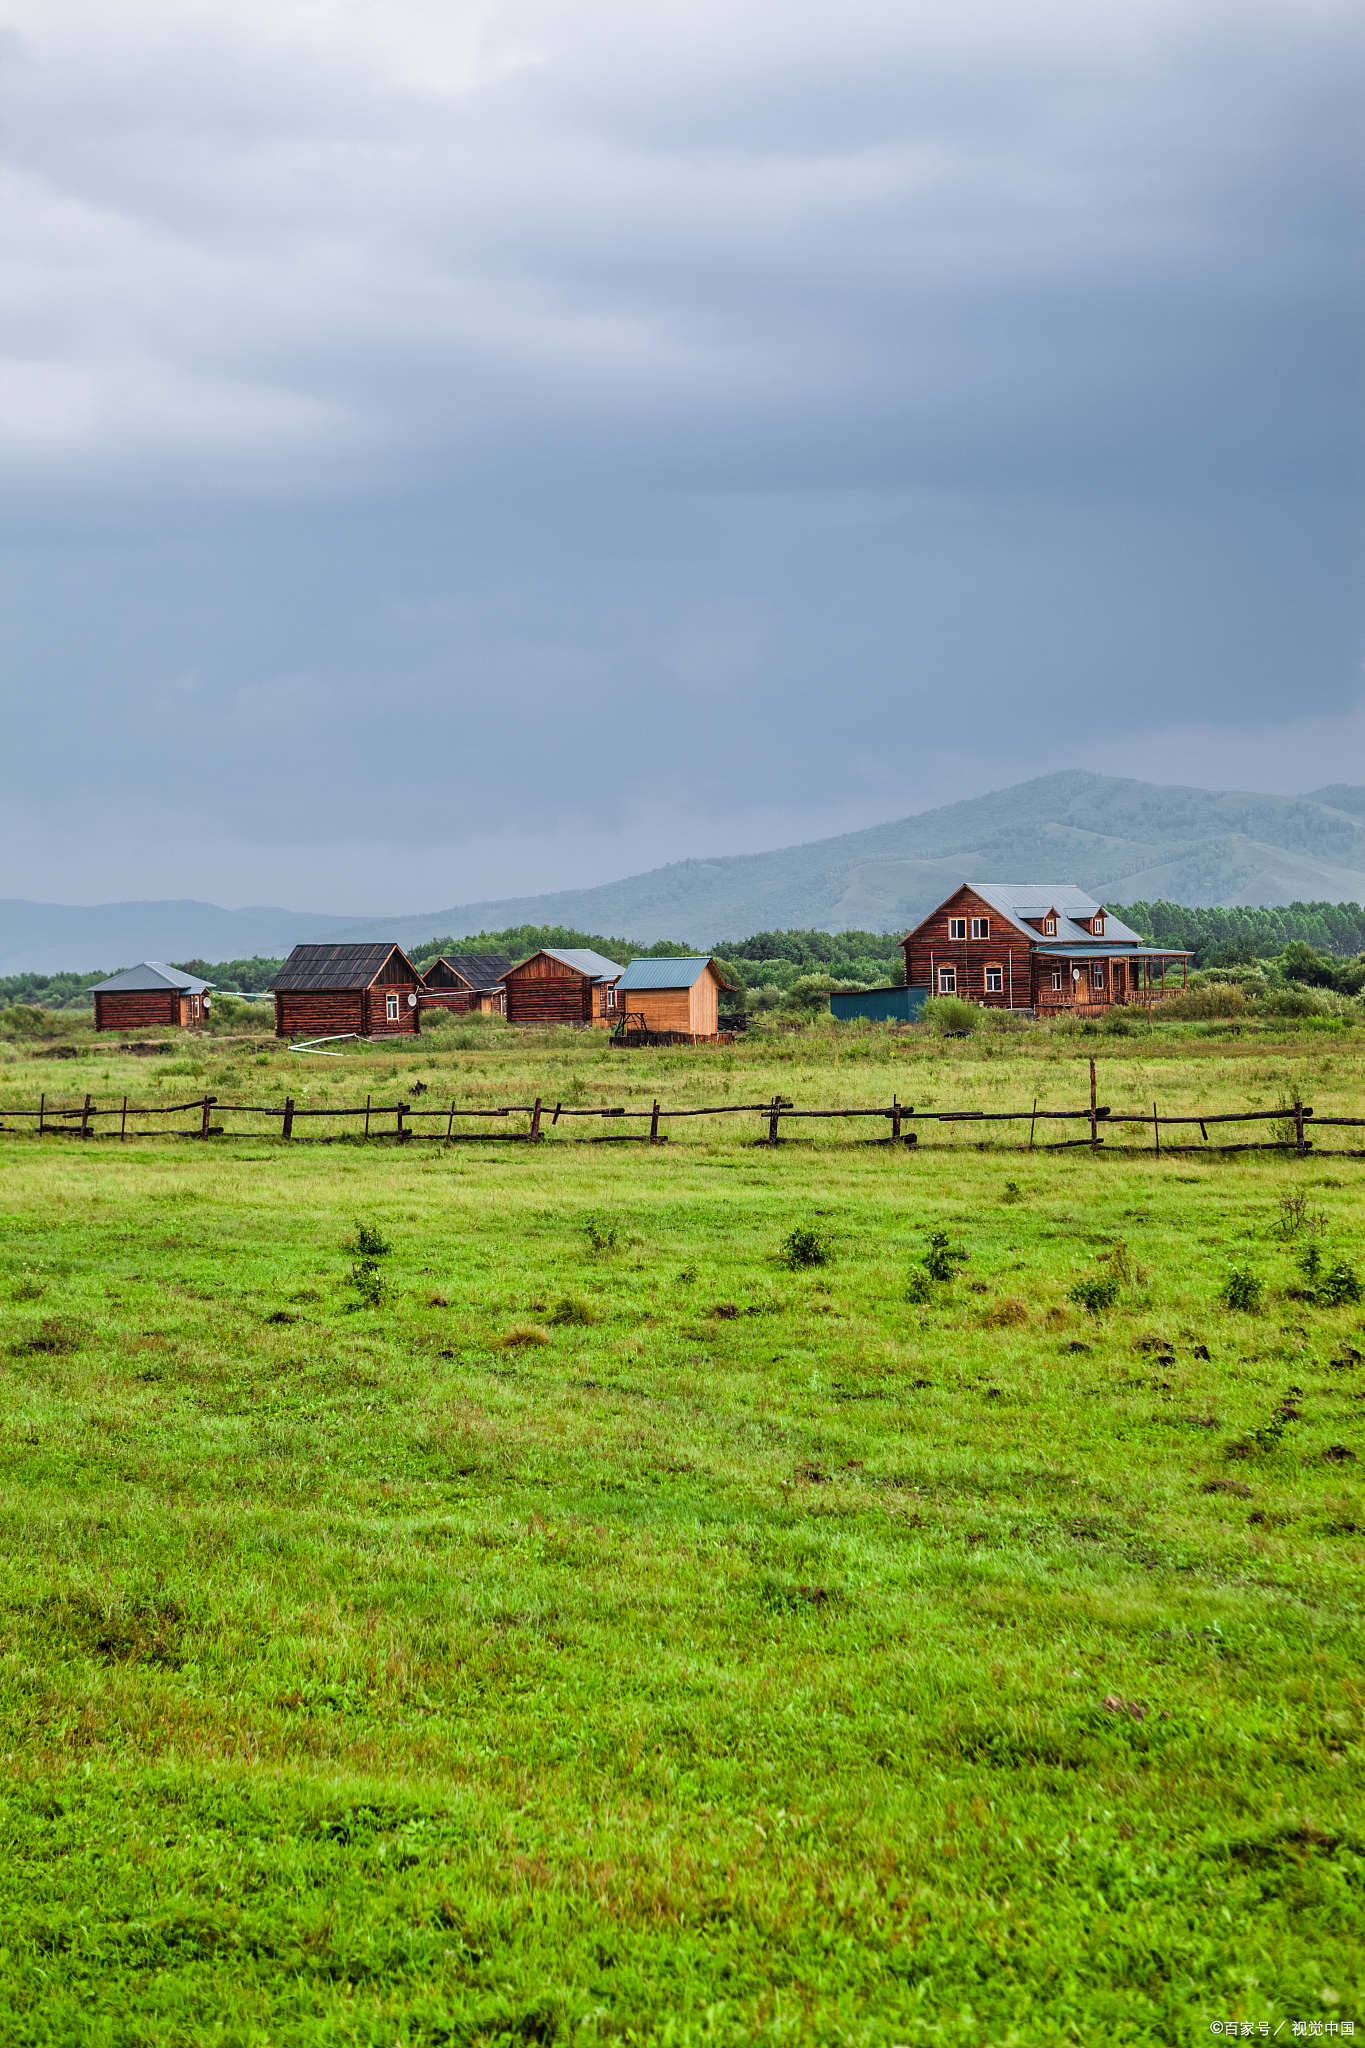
<point x="929" y="948"/>
<point x="138" y="1009"/>
<point x="695" y="1009"/>
<point x="542" y="991"/>
<point x="328" y="1012"/>
<point x="458" y="998"/>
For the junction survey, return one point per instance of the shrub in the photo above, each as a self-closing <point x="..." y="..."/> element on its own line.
<point x="942" y="1256"/>
<point x="1294" y="1002"/>
<point x="1095" y="1295"/>
<point x="573" y="1308"/>
<point x="951" y="1013"/>
<point x="601" y="1233"/>
<point x="370" y="1241"/>
<point x="805" y="1246"/>
<point x="920" y="1287"/>
<point x="1214" y="999"/>
<point x="1241" y="1292"/>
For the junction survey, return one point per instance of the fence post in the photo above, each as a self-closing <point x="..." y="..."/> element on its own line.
<point x="773" y="1116"/>
<point x="1094" y="1124"/>
<point x="535" y="1123"/>
<point x="895" y="1119"/>
<point x="85" y="1119"/>
<point x="209" y="1101"/>
<point x="123" y="1120"/>
<point x="450" y="1122"/>
<point x="42" y="1106"/>
<point x="654" y="1123"/>
<point x="1156" y="1130"/>
<point x="402" y="1134"/>
<point x="288" y="1130"/>
<point x="367" y="1116"/>
<point x="1031" y="1122"/>
<point x="1298" y="1128"/>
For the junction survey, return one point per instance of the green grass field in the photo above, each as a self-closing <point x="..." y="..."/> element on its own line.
<point x="578" y="1624"/>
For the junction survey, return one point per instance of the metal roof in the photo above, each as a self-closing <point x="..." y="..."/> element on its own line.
<point x="683" y="973"/>
<point x="1018" y="901"/>
<point x="477" y="970"/>
<point x="582" y="959"/>
<point x="1054" y="950"/>
<point x="339" y="967"/>
<point x="152" y="974"/>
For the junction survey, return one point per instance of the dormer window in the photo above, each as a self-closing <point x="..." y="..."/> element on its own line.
<point x="1097" y="927"/>
<point x="1049" y="927"/>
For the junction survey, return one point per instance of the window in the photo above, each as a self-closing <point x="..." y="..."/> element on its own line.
<point x="1050" y="927"/>
<point x="1097" y="974"/>
<point x="981" y="927"/>
<point x="611" y="998"/>
<point x="947" y="981"/>
<point x="994" y="978"/>
<point x="1056" y="977"/>
<point x="1097" y="927"/>
<point x="391" y="1006"/>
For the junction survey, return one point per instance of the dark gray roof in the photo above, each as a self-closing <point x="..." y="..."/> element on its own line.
<point x="152" y="974"/>
<point x="340" y="967"/>
<point x="476" y="970"/>
<point x="582" y="959"/>
<point x="651" y="974"/>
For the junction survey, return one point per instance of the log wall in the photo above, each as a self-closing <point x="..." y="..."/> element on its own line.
<point x="139" y="1010"/>
<point x="928" y="949"/>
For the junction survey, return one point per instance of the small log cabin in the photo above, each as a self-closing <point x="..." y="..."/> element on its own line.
<point x="1040" y="946"/>
<point x="151" y="995"/>
<point x="466" y="981"/>
<point x="681" y="996"/>
<point x="347" y="991"/>
<point x="569" y="985"/>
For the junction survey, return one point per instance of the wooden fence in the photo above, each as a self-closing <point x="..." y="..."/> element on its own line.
<point x="369" y="1120"/>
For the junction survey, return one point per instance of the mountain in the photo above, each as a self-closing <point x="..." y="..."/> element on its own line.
<point x="1120" y="839"/>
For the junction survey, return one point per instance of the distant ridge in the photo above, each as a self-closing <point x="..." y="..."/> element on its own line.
<point x="1120" y="839"/>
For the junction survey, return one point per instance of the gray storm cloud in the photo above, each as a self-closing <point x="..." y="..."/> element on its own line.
<point x="730" y="423"/>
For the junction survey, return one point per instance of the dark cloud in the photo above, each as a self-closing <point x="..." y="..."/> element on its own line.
<point x="725" y="423"/>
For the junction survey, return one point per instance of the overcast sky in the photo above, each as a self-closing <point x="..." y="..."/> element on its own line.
<point x="454" y="449"/>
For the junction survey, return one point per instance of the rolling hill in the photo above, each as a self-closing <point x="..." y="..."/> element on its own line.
<point x="1123" y="840"/>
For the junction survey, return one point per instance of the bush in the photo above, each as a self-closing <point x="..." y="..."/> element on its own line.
<point x="369" y="1283"/>
<point x="1241" y="1292"/>
<point x="370" y="1241"/>
<point x="601" y="1233"/>
<point x="951" y="1013"/>
<point x="1213" y="999"/>
<point x="805" y="1246"/>
<point x="1095" y="1295"/>
<point x="943" y="1256"/>
<point x="1338" y="1284"/>
<point x="1294" y="1002"/>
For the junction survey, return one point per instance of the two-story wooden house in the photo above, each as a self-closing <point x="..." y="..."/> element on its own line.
<point x="1042" y="946"/>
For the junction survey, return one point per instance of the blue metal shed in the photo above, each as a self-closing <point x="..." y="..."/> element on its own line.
<point x="880" y="1005"/>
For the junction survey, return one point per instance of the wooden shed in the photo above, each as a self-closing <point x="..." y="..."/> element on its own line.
<point x="335" y="991"/>
<point x="677" y="996"/>
<point x="151" y="995"/>
<point x="466" y="981"/>
<point x="569" y="985"/>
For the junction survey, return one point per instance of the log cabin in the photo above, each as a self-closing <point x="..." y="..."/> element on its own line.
<point x="151" y="995"/>
<point x="347" y="992"/>
<point x="681" y="997"/>
<point x="1040" y="946"/>
<point x="562" y="985"/>
<point x="463" y="982"/>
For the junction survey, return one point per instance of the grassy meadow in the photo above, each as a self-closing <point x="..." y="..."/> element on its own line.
<point x="489" y="1593"/>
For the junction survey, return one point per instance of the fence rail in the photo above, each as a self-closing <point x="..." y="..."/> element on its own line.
<point x="83" y="1120"/>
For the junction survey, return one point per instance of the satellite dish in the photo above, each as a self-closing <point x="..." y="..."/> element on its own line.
<point x="1075" y="974"/>
<point x="412" y="1002"/>
<point x="207" y="1004"/>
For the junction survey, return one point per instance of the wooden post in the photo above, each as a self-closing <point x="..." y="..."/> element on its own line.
<point x="123" y="1120"/>
<point x="1094" y="1125"/>
<point x="1031" y="1122"/>
<point x="654" y="1123"/>
<point x="1298" y="1128"/>
<point x="773" y="1115"/>
<point x="288" y="1130"/>
<point x="367" y="1116"/>
<point x="1156" y="1130"/>
<point x="402" y="1134"/>
<point x="85" y="1119"/>
<point x="895" y="1118"/>
<point x="42" y="1105"/>
<point x="535" y="1123"/>
<point x="450" y="1122"/>
<point x="209" y="1101"/>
